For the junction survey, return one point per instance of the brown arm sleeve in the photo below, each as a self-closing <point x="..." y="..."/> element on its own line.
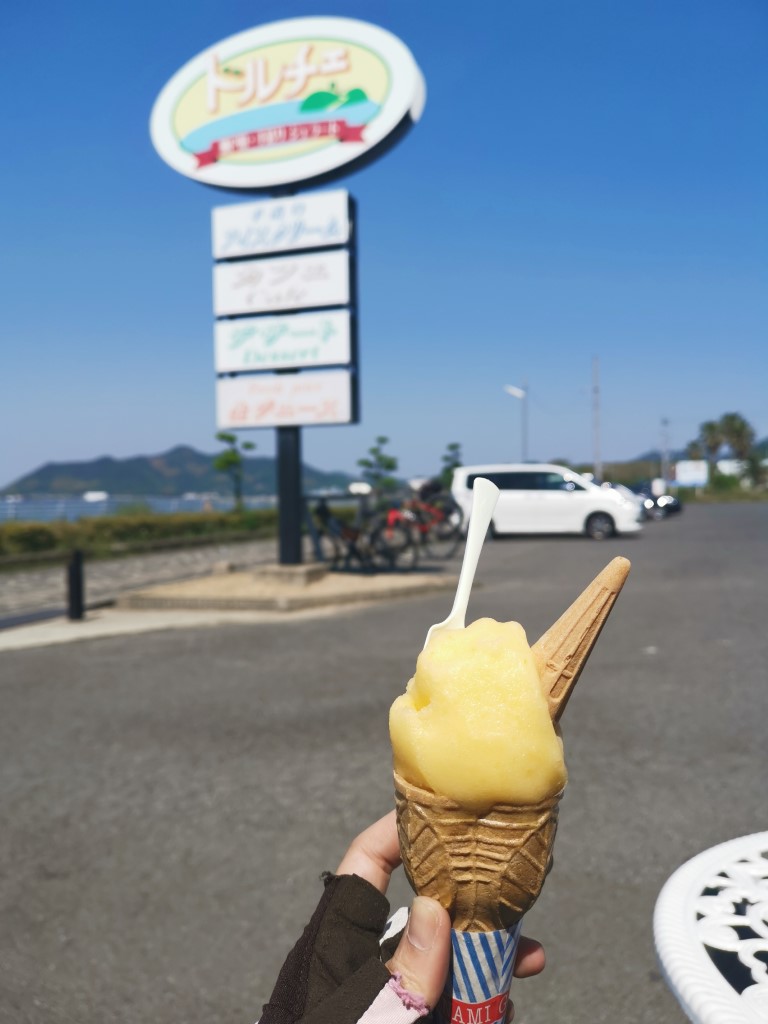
<point x="334" y="972"/>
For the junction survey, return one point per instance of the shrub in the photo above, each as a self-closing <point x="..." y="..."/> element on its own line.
<point x="119" y="534"/>
<point x="103" y="535"/>
<point x="133" y="508"/>
<point x="21" y="538"/>
<point x="723" y="484"/>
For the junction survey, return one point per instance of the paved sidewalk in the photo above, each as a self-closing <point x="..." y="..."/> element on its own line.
<point x="105" y="580"/>
<point x="231" y="597"/>
<point x="111" y="622"/>
<point x="226" y="599"/>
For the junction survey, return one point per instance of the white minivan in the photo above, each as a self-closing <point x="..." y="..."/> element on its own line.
<point x="543" y="498"/>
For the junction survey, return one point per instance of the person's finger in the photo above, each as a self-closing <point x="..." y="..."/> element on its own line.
<point x="530" y="959"/>
<point x="374" y="854"/>
<point x="424" y="952"/>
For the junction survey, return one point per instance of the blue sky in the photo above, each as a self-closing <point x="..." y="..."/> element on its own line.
<point x="587" y="179"/>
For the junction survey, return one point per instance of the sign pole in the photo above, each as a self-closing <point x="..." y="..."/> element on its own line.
<point x="289" y="496"/>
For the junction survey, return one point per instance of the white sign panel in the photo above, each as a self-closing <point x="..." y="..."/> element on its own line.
<point x="692" y="473"/>
<point x="730" y="467"/>
<point x="284" y="400"/>
<point x="282" y="342"/>
<point x="287" y="102"/>
<point x="280" y="225"/>
<point x="290" y="282"/>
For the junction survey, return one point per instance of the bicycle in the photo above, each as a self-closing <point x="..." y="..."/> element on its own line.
<point x="435" y="519"/>
<point x="375" y="544"/>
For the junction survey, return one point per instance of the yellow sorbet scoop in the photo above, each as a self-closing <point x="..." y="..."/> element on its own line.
<point x="474" y="723"/>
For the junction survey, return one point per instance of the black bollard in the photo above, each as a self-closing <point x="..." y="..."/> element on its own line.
<point x="75" y="586"/>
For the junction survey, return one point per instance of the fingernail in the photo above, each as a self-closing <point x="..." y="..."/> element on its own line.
<point x="422" y="924"/>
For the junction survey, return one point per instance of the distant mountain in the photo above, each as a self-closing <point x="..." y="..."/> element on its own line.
<point x="655" y="456"/>
<point x="761" y="447"/>
<point x="170" y="474"/>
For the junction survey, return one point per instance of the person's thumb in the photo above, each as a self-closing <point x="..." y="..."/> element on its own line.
<point x="422" y="957"/>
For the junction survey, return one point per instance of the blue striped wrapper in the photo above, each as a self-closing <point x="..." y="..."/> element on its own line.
<point x="477" y="990"/>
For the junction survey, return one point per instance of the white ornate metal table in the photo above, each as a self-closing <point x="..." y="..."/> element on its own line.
<point x="711" y="931"/>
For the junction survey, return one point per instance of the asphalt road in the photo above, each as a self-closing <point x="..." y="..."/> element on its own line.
<point x="168" y="801"/>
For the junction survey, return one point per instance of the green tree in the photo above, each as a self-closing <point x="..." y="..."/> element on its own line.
<point x="230" y="461"/>
<point x="378" y="468"/>
<point x="694" y="450"/>
<point x="711" y="438"/>
<point x="754" y="470"/>
<point x="737" y="434"/>
<point x="451" y="460"/>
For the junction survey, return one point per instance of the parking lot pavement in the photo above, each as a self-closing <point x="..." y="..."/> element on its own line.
<point x="169" y="800"/>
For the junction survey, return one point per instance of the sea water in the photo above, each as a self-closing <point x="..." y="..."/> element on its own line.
<point x="47" y="507"/>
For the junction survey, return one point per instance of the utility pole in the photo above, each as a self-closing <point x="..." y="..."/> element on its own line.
<point x="665" y="449"/>
<point x="596" y="457"/>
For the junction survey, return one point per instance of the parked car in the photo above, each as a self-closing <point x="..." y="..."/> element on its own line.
<point x="630" y="495"/>
<point x="546" y="498"/>
<point x="657" y="506"/>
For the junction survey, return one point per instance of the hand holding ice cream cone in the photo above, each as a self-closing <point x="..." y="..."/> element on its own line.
<point x="479" y="773"/>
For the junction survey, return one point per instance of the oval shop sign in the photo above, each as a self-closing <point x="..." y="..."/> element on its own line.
<point x="287" y="102"/>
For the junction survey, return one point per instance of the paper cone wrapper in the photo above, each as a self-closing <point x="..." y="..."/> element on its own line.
<point x="477" y="990"/>
<point x="486" y="870"/>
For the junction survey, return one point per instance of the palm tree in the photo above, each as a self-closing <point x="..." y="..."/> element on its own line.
<point x="694" y="450"/>
<point x="711" y="437"/>
<point x="737" y="434"/>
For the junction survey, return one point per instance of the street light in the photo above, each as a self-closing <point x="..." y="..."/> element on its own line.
<point x="522" y="394"/>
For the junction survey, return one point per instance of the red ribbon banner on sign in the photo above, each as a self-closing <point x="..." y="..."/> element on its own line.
<point x="279" y="136"/>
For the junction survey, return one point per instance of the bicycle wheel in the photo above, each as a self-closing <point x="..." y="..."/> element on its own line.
<point x="330" y="550"/>
<point x="444" y="536"/>
<point x="392" y="547"/>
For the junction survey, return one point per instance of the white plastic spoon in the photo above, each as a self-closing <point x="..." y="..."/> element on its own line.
<point x="484" y="497"/>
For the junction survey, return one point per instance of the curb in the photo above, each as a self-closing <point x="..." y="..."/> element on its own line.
<point x="145" y="601"/>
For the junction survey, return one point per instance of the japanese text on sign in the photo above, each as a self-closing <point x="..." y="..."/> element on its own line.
<point x="255" y="83"/>
<point x="291" y="282"/>
<point x="289" y="341"/>
<point x="284" y="400"/>
<point x="279" y="225"/>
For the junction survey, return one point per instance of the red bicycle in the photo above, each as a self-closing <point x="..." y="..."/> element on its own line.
<point x="435" y="519"/>
<point x="374" y="542"/>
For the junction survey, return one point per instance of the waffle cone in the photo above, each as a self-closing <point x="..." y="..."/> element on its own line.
<point x="562" y="652"/>
<point x="488" y="870"/>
